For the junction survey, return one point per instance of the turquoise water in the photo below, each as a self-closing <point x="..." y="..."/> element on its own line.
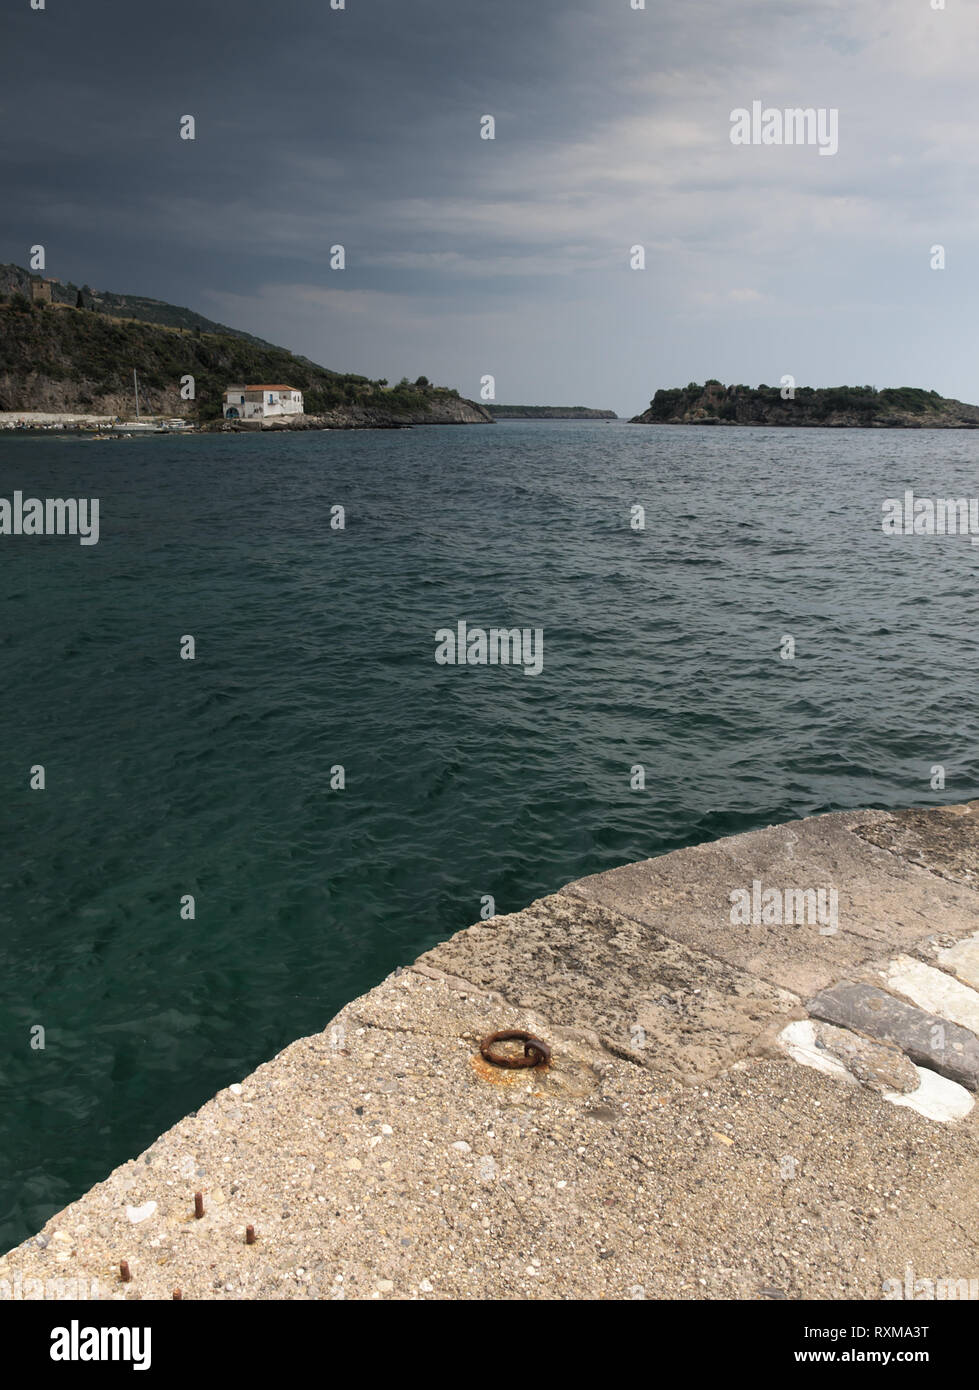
<point x="315" y="647"/>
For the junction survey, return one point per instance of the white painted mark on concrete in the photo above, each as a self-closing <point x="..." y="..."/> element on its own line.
<point x="963" y="958"/>
<point x="936" y="1098"/>
<point x="137" y="1214"/>
<point x="798" y="1039"/>
<point x="934" y="991"/>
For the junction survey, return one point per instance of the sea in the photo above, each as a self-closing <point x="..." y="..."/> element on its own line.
<point x="238" y="833"/>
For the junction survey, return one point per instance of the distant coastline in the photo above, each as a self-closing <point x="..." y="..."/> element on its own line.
<point x="548" y="412"/>
<point x="827" y="407"/>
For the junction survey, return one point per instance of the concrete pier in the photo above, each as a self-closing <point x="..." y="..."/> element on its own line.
<point x="755" y="1092"/>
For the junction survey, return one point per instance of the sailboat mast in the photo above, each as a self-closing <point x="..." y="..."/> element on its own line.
<point x="136" y="392"/>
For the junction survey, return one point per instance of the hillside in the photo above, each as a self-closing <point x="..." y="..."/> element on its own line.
<point x="15" y="280"/>
<point x="834" y="407"/>
<point x="61" y="358"/>
<point x="549" y="412"/>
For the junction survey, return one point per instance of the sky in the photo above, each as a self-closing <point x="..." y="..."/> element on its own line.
<point x="511" y="257"/>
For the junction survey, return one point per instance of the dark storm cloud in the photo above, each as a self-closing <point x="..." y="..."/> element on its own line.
<point x="298" y="107"/>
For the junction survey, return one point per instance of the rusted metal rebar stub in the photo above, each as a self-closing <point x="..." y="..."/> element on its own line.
<point x="536" y="1052"/>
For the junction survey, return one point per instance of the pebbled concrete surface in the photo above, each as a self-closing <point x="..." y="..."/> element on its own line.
<point x="677" y="1011"/>
<point x="671" y="1150"/>
<point x="944" y="840"/>
<point x="885" y="901"/>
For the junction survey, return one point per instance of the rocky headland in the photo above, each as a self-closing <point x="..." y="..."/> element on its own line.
<point x="69" y="352"/>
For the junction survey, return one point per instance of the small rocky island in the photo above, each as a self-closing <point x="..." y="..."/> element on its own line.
<point x="829" y="407"/>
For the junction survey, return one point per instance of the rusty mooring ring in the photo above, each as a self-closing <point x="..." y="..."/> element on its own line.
<point x="536" y="1053"/>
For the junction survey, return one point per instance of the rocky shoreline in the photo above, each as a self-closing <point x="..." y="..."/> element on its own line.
<point x="443" y="411"/>
<point x="731" y="1110"/>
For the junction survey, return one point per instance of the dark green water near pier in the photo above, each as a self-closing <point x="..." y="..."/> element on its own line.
<point x="315" y="648"/>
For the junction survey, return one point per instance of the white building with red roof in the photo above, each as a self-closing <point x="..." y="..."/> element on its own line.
<point x="261" y="402"/>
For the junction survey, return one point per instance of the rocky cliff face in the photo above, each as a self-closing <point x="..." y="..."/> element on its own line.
<point x="37" y="391"/>
<point x="838" y="407"/>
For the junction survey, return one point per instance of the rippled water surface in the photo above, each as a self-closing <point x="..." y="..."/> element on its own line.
<point x="315" y="648"/>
